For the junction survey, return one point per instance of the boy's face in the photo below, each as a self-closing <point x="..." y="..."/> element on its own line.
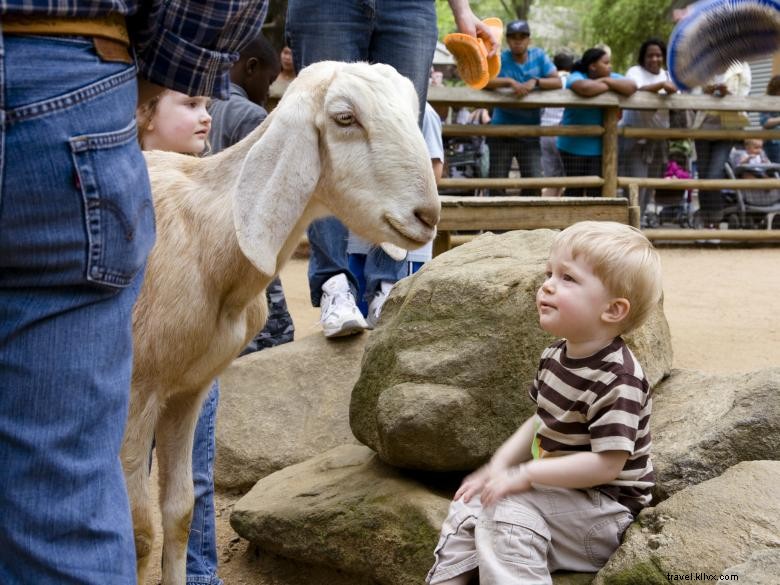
<point x="572" y="299"/>
<point x="753" y="147"/>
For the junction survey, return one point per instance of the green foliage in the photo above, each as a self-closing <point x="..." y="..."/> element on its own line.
<point x="625" y="24"/>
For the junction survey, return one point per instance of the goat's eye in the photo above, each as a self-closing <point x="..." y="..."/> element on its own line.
<point x="345" y="118"/>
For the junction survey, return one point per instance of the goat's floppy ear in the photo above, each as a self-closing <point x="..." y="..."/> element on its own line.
<point x="276" y="182"/>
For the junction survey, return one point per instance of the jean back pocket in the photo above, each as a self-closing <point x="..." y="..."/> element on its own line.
<point x="119" y="214"/>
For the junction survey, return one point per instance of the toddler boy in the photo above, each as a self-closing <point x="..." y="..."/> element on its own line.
<point x="558" y="494"/>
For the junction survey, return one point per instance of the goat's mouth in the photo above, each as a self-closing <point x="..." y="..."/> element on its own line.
<point x="418" y="238"/>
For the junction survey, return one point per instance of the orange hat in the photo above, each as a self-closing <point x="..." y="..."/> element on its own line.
<point x="470" y="53"/>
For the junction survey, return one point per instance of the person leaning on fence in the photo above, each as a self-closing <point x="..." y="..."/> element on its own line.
<point x="558" y="494"/>
<point x="711" y="155"/>
<point x="581" y="155"/>
<point x="523" y="69"/>
<point x="76" y="225"/>
<point x="642" y="157"/>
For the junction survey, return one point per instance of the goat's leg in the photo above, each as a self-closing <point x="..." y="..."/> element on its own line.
<point x="175" y="433"/>
<point x="136" y="453"/>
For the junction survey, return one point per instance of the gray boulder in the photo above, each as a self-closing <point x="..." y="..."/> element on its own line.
<point x="445" y="376"/>
<point x="345" y="509"/>
<point x="702" y="529"/>
<point x="351" y="514"/>
<point x="703" y="424"/>
<point x="284" y="405"/>
<point x="762" y="568"/>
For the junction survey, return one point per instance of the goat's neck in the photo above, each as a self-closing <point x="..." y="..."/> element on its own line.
<point x="240" y="282"/>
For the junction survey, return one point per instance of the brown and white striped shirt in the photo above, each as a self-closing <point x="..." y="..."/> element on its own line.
<point x="599" y="403"/>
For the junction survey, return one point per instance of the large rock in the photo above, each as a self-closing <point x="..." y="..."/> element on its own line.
<point x="445" y="376"/>
<point x="762" y="568"/>
<point x="702" y="529"/>
<point x="348" y="510"/>
<point x="284" y="405"/>
<point x="703" y="424"/>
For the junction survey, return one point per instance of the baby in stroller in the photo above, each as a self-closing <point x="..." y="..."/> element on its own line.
<point x="673" y="205"/>
<point x="752" y="207"/>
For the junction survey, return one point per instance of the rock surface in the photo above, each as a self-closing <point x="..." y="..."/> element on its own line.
<point x="702" y="424"/>
<point x="346" y="509"/>
<point x="284" y="405"/>
<point x="703" y="529"/>
<point x="445" y="376"/>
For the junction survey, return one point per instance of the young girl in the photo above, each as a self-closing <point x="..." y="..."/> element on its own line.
<point x="176" y="122"/>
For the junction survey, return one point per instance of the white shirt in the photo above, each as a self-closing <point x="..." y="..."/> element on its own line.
<point x="646" y="118"/>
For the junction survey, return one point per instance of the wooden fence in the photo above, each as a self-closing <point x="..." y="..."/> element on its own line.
<point x="609" y="131"/>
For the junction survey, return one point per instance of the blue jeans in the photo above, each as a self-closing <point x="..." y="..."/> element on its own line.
<point x="401" y="33"/>
<point x="202" y="546"/>
<point x="76" y="225"/>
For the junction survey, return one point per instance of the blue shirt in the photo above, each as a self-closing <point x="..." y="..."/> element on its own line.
<point x="179" y="44"/>
<point x="537" y="64"/>
<point x="582" y="145"/>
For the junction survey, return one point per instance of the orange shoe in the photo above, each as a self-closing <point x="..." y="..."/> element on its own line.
<point x="470" y="54"/>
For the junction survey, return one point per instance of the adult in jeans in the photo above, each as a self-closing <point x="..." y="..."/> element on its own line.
<point x="401" y="33"/>
<point x="76" y="224"/>
<point x="641" y="157"/>
<point x="523" y="70"/>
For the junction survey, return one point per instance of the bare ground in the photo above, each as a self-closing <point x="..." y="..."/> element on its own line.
<point x="723" y="308"/>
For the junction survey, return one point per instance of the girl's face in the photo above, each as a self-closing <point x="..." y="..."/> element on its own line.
<point x="180" y="124"/>
<point x="654" y="59"/>
<point x="601" y="68"/>
<point x="286" y="59"/>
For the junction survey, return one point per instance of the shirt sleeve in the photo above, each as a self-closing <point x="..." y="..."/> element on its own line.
<point x="613" y="419"/>
<point x="432" y="133"/>
<point x="547" y="65"/>
<point x="190" y="45"/>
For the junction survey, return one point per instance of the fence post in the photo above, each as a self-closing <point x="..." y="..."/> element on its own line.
<point x="609" y="152"/>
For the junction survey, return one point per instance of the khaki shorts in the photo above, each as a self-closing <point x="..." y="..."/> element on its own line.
<point x="527" y="536"/>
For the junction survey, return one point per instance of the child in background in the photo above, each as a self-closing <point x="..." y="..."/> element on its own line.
<point x="752" y="155"/>
<point x="176" y="122"/>
<point x="558" y="494"/>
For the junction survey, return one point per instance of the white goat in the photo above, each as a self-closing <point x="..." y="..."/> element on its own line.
<point x="344" y="140"/>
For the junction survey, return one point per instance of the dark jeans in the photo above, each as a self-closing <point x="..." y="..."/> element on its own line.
<point x="711" y="157"/>
<point x="528" y="153"/>
<point x="581" y="166"/>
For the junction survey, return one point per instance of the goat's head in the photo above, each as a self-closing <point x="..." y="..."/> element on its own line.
<point x="344" y="138"/>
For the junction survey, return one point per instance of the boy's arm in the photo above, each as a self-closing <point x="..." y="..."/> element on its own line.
<point x="514" y="450"/>
<point x="580" y="470"/>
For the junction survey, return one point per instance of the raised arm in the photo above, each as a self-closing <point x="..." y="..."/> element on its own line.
<point x="468" y="23"/>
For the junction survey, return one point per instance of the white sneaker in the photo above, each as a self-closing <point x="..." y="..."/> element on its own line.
<point x="376" y="304"/>
<point x="340" y="315"/>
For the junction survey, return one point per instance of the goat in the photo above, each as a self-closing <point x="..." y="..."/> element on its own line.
<point x="344" y="141"/>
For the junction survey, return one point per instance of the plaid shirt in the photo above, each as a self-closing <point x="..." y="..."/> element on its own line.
<point x="186" y="45"/>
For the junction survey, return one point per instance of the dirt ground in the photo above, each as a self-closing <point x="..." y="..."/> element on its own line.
<point x="723" y="308"/>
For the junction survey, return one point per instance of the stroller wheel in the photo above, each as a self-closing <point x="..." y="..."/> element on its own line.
<point x="733" y="221"/>
<point x="652" y="220"/>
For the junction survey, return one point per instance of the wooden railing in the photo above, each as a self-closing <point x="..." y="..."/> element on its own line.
<point x="610" y="181"/>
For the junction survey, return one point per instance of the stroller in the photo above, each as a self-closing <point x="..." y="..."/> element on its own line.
<point x="752" y="208"/>
<point x="673" y="205"/>
<point x="466" y="157"/>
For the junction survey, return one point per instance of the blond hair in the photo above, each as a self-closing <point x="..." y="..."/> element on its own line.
<point x="622" y="258"/>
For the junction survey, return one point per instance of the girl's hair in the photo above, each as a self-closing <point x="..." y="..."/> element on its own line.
<point x="144" y="114"/>
<point x="773" y="87"/>
<point x="588" y="58"/>
<point x="653" y="42"/>
<point x="622" y="258"/>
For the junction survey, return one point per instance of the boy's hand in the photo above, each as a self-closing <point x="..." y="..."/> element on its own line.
<point x="509" y="481"/>
<point x="472" y="484"/>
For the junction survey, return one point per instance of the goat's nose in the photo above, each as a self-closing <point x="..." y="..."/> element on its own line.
<point x="428" y="216"/>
